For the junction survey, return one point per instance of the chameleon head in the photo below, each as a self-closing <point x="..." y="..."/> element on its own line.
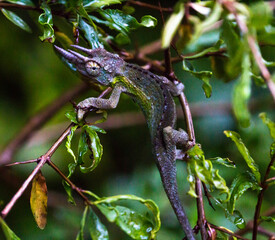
<point x="99" y="66"/>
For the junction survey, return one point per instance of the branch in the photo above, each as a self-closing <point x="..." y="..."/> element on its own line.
<point x="38" y="121"/>
<point x="227" y="231"/>
<point x="264" y="186"/>
<point x="230" y="5"/>
<point x="147" y="5"/>
<point x="42" y="160"/>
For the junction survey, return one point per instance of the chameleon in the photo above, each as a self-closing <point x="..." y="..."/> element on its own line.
<point x="154" y="94"/>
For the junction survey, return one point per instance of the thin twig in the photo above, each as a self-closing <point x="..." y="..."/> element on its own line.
<point x="230" y="5"/>
<point x="23" y="162"/>
<point x="72" y="185"/>
<point x="147" y="5"/>
<point x="42" y="160"/>
<point x="226" y="231"/>
<point x="264" y="186"/>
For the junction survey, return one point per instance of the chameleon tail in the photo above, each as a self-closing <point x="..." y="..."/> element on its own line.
<point x="167" y="171"/>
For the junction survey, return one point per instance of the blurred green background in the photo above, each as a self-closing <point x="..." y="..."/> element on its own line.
<point x="32" y="76"/>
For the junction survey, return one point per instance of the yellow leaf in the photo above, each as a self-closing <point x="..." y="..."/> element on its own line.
<point x="39" y="200"/>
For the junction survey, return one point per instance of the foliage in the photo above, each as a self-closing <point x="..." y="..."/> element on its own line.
<point x="235" y="52"/>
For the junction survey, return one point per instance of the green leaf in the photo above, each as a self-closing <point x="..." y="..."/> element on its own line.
<point x="223" y="161"/>
<point x="39" y="199"/>
<point x="148" y="21"/>
<point x="69" y="142"/>
<point x="272" y="150"/>
<point x="72" y="116"/>
<point x="124" y="23"/>
<point x="235" y="50"/>
<point x="172" y="25"/>
<point x="9" y="234"/>
<point x="69" y="192"/>
<point x="239" y="186"/>
<point x="260" y="15"/>
<point x="46" y="20"/>
<point x="82" y="147"/>
<point x="208" y="22"/>
<point x="134" y="224"/>
<point x="215" y="48"/>
<point x="234" y="217"/>
<point x="95" y="147"/>
<point x="235" y="137"/>
<point x="90" y="34"/>
<point x="103" y="119"/>
<point x="14" y="18"/>
<point x="97" y="230"/>
<point x="267" y="219"/>
<point x="21" y="2"/>
<point x="94" y="4"/>
<point x="241" y="94"/>
<point x="80" y="235"/>
<point x="202" y="75"/>
<point x="203" y="169"/>
<point x="270" y="124"/>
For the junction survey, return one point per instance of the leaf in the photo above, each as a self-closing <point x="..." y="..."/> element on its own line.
<point x="14" y="18"/>
<point x="90" y="34"/>
<point x="202" y="75"/>
<point x="223" y="161"/>
<point x="203" y="169"/>
<point x="72" y="116"/>
<point x="69" y="190"/>
<point x="94" y="146"/>
<point x="94" y="4"/>
<point x="134" y="224"/>
<point x="234" y="217"/>
<point x="270" y="124"/>
<point x="235" y="50"/>
<point x="21" y="2"/>
<point x="148" y="21"/>
<point x="80" y="235"/>
<point x="235" y="137"/>
<point x="69" y="142"/>
<point x="215" y="48"/>
<point x="272" y="150"/>
<point x="124" y="23"/>
<point x="172" y="25"/>
<point x="39" y="199"/>
<point x="267" y="219"/>
<point x="45" y="19"/>
<point x="97" y="230"/>
<point x="239" y="186"/>
<point x="260" y="15"/>
<point x="208" y="22"/>
<point x="241" y="94"/>
<point x="9" y="234"/>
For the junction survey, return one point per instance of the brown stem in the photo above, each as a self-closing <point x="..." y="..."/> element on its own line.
<point x="11" y="5"/>
<point x="72" y="185"/>
<point x="226" y="231"/>
<point x="42" y="160"/>
<point x="147" y="5"/>
<point x="21" y="190"/>
<point x="264" y="186"/>
<point x="38" y="121"/>
<point x="230" y="5"/>
<point x="23" y="162"/>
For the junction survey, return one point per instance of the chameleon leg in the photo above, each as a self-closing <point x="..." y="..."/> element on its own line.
<point x="99" y="103"/>
<point x="167" y="168"/>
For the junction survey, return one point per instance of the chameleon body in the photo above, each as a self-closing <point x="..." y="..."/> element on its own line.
<point x="154" y="94"/>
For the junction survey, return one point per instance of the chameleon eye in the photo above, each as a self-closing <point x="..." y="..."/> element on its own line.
<point x="92" y="68"/>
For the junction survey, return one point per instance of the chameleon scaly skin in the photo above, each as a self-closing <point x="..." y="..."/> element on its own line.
<point x="153" y="94"/>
